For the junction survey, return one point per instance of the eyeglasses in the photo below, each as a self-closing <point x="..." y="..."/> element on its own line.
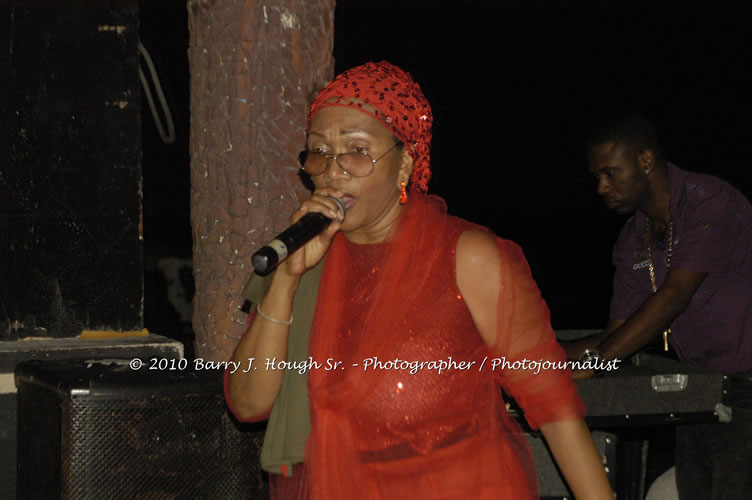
<point x="356" y="164"/>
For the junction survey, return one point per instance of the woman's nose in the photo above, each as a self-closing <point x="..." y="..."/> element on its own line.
<point x="333" y="169"/>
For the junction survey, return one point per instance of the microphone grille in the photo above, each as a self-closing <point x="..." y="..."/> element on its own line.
<point x="339" y="204"/>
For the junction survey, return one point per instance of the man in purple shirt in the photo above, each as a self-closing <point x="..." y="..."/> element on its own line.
<point x="683" y="272"/>
<point x="710" y="308"/>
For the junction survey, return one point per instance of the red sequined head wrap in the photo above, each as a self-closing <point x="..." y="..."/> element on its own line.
<point x="389" y="94"/>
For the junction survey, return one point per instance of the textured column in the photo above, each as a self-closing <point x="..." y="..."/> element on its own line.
<point x="255" y="67"/>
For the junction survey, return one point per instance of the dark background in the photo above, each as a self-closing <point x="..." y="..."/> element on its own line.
<point x="70" y="169"/>
<point x="515" y="87"/>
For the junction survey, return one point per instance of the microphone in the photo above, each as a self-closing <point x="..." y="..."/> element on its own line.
<point x="268" y="257"/>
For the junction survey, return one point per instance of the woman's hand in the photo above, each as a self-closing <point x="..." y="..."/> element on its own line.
<point x="312" y="252"/>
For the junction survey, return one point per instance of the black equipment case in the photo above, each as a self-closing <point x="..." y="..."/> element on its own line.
<point x="100" y="429"/>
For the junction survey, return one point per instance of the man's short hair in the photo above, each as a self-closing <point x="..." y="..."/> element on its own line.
<point x="634" y="132"/>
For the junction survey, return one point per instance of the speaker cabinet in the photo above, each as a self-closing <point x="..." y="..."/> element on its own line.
<point x="99" y="429"/>
<point x="551" y="484"/>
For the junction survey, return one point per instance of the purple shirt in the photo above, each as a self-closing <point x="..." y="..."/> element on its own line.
<point x="712" y="234"/>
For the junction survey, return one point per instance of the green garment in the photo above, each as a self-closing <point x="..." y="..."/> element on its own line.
<point x="290" y="420"/>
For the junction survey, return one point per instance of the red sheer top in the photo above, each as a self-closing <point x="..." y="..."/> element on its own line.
<point x="402" y="429"/>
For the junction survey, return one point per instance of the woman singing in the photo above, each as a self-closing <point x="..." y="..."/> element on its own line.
<point x="405" y="320"/>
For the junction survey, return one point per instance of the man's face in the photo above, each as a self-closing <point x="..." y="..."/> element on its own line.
<point x="621" y="183"/>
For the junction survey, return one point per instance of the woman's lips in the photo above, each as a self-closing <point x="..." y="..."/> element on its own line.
<point x="348" y="200"/>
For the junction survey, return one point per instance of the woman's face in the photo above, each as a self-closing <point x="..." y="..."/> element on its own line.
<point x="372" y="202"/>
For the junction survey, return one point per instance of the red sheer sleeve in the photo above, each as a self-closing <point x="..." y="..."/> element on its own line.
<point x="538" y="380"/>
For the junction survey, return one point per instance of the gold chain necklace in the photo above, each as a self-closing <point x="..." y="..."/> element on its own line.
<point x="651" y="268"/>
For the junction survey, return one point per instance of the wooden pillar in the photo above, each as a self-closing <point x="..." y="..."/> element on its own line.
<point x="255" y="66"/>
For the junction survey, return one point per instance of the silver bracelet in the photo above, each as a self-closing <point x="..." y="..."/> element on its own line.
<point x="589" y="355"/>
<point x="272" y="320"/>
